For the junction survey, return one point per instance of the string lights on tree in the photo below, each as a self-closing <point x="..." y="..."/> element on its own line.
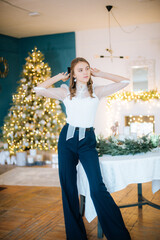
<point x="33" y="122"/>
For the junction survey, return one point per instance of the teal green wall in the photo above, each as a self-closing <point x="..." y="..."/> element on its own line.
<point x="10" y="51"/>
<point x="58" y="50"/>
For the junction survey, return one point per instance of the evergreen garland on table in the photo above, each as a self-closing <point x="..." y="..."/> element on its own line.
<point x="113" y="146"/>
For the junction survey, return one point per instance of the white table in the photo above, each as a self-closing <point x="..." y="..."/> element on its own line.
<point x="118" y="172"/>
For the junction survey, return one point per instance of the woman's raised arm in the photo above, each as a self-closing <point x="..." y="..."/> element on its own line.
<point x="44" y="89"/>
<point x="106" y="90"/>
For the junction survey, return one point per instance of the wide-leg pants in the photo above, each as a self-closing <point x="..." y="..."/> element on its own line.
<point x="109" y="215"/>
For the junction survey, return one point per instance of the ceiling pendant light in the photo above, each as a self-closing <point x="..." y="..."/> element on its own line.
<point x="109" y="49"/>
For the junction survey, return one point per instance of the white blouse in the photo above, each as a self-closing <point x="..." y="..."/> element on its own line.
<point x="81" y="110"/>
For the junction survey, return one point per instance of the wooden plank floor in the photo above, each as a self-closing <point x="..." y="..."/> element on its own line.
<point x="28" y="213"/>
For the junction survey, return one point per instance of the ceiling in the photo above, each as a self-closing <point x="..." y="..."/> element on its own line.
<point x="59" y="16"/>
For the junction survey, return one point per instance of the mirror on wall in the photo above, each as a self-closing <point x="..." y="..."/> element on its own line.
<point x="140" y="78"/>
<point x="142" y="74"/>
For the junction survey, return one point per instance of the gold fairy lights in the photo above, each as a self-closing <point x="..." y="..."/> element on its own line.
<point x="124" y="97"/>
<point x="134" y="96"/>
<point x="27" y="129"/>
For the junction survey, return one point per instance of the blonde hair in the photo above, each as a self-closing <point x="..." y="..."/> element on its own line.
<point x="72" y="87"/>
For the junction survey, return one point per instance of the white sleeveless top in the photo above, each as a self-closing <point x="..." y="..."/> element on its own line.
<point x="81" y="111"/>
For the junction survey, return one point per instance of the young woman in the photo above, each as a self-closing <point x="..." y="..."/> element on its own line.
<point x="77" y="141"/>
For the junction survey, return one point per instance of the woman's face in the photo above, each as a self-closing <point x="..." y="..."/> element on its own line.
<point x="82" y="72"/>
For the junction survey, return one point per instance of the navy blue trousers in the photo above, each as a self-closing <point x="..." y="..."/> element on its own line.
<point x="109" y="215"/>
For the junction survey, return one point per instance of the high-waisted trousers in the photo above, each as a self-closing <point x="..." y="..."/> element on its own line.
<point x="109" y="215"/>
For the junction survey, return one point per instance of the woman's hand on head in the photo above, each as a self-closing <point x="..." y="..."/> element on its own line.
<point x="64" y="76"/>
<point x="95" y="72"/>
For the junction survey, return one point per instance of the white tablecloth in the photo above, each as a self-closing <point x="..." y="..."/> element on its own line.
<point x="118" y="172"/>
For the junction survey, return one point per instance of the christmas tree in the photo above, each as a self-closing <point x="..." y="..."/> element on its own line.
<point x="33" y="122"/>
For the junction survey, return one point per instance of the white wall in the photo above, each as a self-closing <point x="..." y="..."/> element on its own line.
<point x="141" y="44"/>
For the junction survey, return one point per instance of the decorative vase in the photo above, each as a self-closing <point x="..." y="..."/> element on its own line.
<point x="21" y="158"/>
<point x="30" y="160"/>
<point x="54" y="160"/>
<point x="39" y="159"/>
<point x="33" y="152"/>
